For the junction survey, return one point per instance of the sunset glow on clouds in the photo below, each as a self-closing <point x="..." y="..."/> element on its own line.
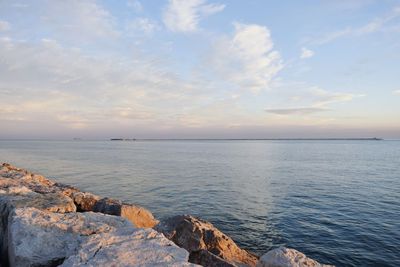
<point x="199" y="69"/>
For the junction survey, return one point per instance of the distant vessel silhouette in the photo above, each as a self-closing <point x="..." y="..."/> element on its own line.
<point x="122" y="139"/>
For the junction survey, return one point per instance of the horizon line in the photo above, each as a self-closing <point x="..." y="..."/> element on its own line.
<point x="200" y="139"/>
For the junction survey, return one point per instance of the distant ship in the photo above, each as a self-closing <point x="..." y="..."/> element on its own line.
<point x="123" y="139"/>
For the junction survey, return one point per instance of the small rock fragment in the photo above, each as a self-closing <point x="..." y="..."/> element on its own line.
<point x="287" y="257"/>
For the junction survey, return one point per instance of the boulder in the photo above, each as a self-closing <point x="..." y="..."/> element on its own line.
<point x="12" y="176"/>
<point x="287" y="257"/>
<point x="195" y="235"/>
<point x="65" y="189"/>
<point x="206" y="258"/>
<point x="9" y="171"/>
<point x="139" y="216"/>
<point x="42" y="238"/>
<point x="84" y="201"/>
<point x="129" y="247"/>
<point x="21" y="196"/>
<point x="12" y="198"/>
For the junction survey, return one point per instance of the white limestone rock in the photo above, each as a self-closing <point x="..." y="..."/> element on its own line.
<point x="129" y="247"/>
<point x="12" y="198"/>
<point x="286" y="257"/>
<point x="37" y="237"/>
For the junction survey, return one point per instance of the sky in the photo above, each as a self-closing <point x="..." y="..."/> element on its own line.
<point x="199" y="69"/>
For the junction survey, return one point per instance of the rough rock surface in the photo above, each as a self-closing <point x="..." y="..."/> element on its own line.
<point x="11" y="176"/>
<point x="41" y="238"/>
<point x="20" y="188"/>
<point x="206" y="258"/>
<point x="139" y="216"/>
<point x="20" y="197"/>
<point x="129" y="247"/>
<point x="286" y="257"/>
<point x="85" y="201"/>
<point x="195" y="235"/>
<point x="65" y="189"/>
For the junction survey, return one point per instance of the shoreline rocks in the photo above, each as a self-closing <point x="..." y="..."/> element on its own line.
<point x="40" y="226"/>
<point x="139" y="216"/>
<point x="204" y="241"/>
<point x="283" y="257"/>
<point x="44" y="223"/>
<point x="42" y="238"/>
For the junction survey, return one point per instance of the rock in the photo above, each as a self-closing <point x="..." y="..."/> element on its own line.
<point x="286" y="257"/>
<point x="129" y="247"/>
<point x="18" y="197"/>
<point x="195" y="235"/>
<point x="85" y="201"/>
<point x="206" y="258"/>
<point x="8" y="182"/>
<point x="12" y="176"/>
<point x="65" y="189"/>
<point x="12" y="198"/>
<point x="139" y="216"/>
<point x="9" y="171"/>
<point x="41" y="238"/>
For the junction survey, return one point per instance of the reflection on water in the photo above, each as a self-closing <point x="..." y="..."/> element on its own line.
<point x="336" y="201"/>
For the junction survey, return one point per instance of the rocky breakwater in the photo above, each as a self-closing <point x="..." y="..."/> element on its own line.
<point x="44" y="223"/>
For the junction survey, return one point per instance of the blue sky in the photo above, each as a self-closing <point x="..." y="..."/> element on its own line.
<point x="199" y="69"/>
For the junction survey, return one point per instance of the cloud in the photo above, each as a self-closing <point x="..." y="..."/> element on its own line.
<point x="396" y="92"/>
<point x="135" y="5"/>
<point x="379" y="22"/>
<point x="4" y="25"/>
<point x="348" y="4"/>
<point x="20" y="5"/>
<point x="65" y="87"/>
<point x="323" y="97"/>
<point x="74" y="21"/>
<point x="375" y="25"/>
<point x="79" y="18"/>
<point x="297" y="111"/>
<point x="247" y="58"/>
<point x="306" y="53"/>
<point x="185" y="15"/>
<point x="312" y="100"/>
<point x="331" y="36"/>
<point x="145" y="25"/>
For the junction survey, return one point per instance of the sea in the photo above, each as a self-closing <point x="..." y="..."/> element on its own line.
<point x="337" y="201"/>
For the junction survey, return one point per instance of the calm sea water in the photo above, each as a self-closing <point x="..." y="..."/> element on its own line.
<point x="336" y="201"/>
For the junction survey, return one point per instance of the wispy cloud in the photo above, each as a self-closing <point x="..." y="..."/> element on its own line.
<point x="375" y="25"/>
<point x="185" y="15"/>
<point x="4" y="25"/>
<point x="396" y="92"/>
<point x="323" y="97"/>
<point x="144" y="25"/>
<point x="136" y="5"/>
<point x="306" y="53"/>
<point x="297" y="111"/>
<point x="247" y="58"/>
<point x="313" y="100"/>
<point x="74" y="21"/>
<point x="348" y="4"/>
<point x="74" y="90"/>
